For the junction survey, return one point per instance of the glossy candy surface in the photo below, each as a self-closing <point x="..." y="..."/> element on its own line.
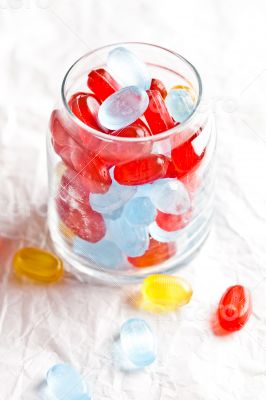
<point x="138" y="342"/>
<point x="139" y="211"/>
<point x="180" y="104"/>
<point x="102" y="83"/>
<point x="65" y="383"/>
<point x="158" y="85"/>
<point x="157" y="253"/>
<point x="128" y="69"/>
<point x="168" y="291"/>
<point x="85" y="106"/>
<point x="38" y="265"/>
<point x="234" y="308"/>
<point x="163" y="236"/>
<point x="144" y="170"/>
<point x="171" y="222"/>
<point x="123" y="107"/>
<point x="157" y="115"/>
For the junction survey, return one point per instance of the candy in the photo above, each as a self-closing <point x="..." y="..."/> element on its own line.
<point x="234" y="308"/>
<point x="157" y="253"/>
<point x="158" y="85"/>
<point x="85" y="106"/>
<point x="123" y="107"/>
<point x="132" y="240"/>
<point x="104" y="253"/>
<point x="138" y="342"/>
<point x="163" y="236"/>
<point x="187" y="89"/>
<point x="171" y="222"/>
<point x="170" y="196"/>
<point x="128" y="69"/>
<point x="64" y="382"/>
<point x="156" y="114"/>
<point x="168" y="291"/>
<point x="102" y="84"/>
<point x="180" y="104"/>
<point x="144" y="170"/>
<point x="139" y="211"/>
<point x="38" y="265"/>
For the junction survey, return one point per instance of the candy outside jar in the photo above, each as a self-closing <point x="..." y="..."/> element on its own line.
<point x="130" y="160"/>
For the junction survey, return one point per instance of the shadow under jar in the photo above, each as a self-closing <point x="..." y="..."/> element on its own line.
<point x="123" y="207"/>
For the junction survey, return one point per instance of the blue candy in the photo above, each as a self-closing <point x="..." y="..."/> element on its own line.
<point x="64" y="382"/>
<point x="180" y="104"/>
<point x="170" y="196"/>
<point x="104" y="253"/>
<point x="139" y="211"/>
<point x="128" y="69"/>
<point x="123" y="107"/>
<point x="138" y="342"/>
<point x="132" y="240"/>
<point x="164" y="236"/>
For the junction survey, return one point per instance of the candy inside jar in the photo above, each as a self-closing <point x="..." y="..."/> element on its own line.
<point x="134" y="184"/>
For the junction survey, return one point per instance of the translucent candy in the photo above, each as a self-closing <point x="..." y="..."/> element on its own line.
<point x="180" y="104"/>
<point x="157" y="115"/>
<point x="65" y="383"/>
<point x="138" y="342"/>
<point x="234" y="308"/>
<point x="140" y="211"/>
<point x="163" y="236"/>
<point x="85" y="106"/>
<point x="103" y="253"/>
<point x="156" y="84"/>
<point x="128" y="69"/>
<point x="132" y="240"/>
<point x="167" y="291"/>
<point x="114" y="199"/>
<point x="123" y="108"/>
<point x="157" y="253"/>
<point x="171" y="222"/>
<point x="38" y="265"/>
<point x="170" y="196"/>
<point x="102" y="83"/>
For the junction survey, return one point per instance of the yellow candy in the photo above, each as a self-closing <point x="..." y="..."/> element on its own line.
<point x="38" y="265"/>
<point x="188" y="89"/>
<point x="66" y="231"/>
<point x="168" y="292"/>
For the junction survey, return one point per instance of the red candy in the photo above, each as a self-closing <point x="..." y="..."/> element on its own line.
<point x="85" y="106"/>
<point x="141" y="171"/>
<point x="170" y="222"/>
<point x="157" y="253"/>
<point x="102" y="84"/>
<point x="157" y="115"/>
<point x="156" y="84"/>
<point x="234" y="308"/>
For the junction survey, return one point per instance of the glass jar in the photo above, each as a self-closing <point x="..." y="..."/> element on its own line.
<point x="83" y="163"/>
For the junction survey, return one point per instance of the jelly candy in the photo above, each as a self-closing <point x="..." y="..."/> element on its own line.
<point x="114" y="199"/>
<point x="138" y="342"/>
<point x="234" y="308"/>
<point x="170" y="196"/>
<point x="85" y="106"/>
<point x="66" y="231"/>
<point x="168" y="291"/>
<point x="156" y="254"/>
<point x="180" y="104"/>
<point x="102" y="84"/>
<point x="128" y="69"/>
<point x="74" y="186"/>
<point x="171" y="222"/>
<point x="65" y="383"/>
<point x="132" y="240"/>
<point x="184" y="157"/>
<point x="187" y="89"/>
<point x="158" y="85"/>
<point x="156" y="114"/>
<point x="38" y="265"/>
<point x="123" y="107"/>
<point x="144" y="170"/>
<point x="104" y="253"/>
<point x="164" y="236"/>
<point x="139" y="211"/>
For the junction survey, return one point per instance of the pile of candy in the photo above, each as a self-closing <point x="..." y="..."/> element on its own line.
<point x="125" y="203"/>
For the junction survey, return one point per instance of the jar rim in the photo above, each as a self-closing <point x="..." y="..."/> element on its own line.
<point x="176" y="129"/>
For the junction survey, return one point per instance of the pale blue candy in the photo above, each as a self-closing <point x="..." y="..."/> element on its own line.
<point x="143" y="190"/>
<point x="180" y="104"/>
<point x="138" y="342"/>
<point x="112" y="200"/>
<point x="114" y="214"/>
<point x="128" y="69"/>
<point x="170" y="196"/>
<point x="123" y="107"/>
<point x="164" y="236"/>
<point x="104" y="253"/>
<point x="65" y="383"/>
<point x="132" y="240"/>
<point x="139" y="211"/>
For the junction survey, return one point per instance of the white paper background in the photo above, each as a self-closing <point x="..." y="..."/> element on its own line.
<point x="75" y="322"/>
